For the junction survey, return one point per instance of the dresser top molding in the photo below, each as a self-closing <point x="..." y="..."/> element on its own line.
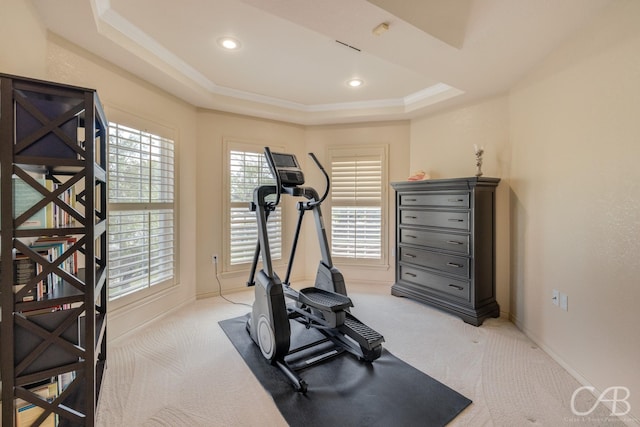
<point x="466" y="183"/>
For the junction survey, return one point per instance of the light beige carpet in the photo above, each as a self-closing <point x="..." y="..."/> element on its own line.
<point x="183" y="371"/>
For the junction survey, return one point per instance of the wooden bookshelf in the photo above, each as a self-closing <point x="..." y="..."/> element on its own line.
<point x="53" y="253"/>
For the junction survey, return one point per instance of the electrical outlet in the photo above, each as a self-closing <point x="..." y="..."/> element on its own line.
<point x="555" y="297"/>
<point x="214" y="258"/>
<point x="564" y="302"/>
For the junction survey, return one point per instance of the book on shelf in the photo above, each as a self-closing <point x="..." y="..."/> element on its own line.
<point x="27" y="413"/>
<point x="59" y="217"/>
<point x="24" y="269"/>
<point x="24" y="197"/>
<point x="51" y="215"/>
<point x="27" y="268"/>
<point x="64" y="380"/>
<point x="61" y="244"/>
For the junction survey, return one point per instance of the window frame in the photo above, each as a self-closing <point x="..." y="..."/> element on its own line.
<point x="345" y="151"/>
<point x="123" y="119"/>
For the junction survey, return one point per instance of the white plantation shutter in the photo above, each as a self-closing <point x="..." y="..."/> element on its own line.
<point x="248" y="170"/>
<point x="141" y="210"/>
<point x="140" y="166"/>
<point x="356" y="203"/>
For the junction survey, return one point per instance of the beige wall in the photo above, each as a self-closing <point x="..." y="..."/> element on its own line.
<point x="575" y="182"/>
<point x="23" y="44"/>
<point x="443" y="146"/>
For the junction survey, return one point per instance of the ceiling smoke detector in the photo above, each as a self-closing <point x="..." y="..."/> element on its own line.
<point x="380" y="28"/>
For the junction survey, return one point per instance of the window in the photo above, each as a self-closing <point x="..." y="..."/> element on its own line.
<point x="357" y="201"/>
<point x="248" y="169"/>
<point x="141" y="211"/>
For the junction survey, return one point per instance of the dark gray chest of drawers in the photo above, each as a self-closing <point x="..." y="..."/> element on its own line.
<point x="445" y="245"/>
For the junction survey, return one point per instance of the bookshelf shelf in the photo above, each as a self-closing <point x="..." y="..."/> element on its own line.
<point x="67" y="294"/>
<point x="53" y="253"/>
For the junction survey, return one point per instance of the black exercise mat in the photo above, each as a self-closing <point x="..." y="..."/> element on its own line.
<point x="346" y="392"/>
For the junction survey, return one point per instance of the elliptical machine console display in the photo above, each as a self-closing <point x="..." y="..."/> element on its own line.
<point x="323" y="307"/>
<point x="288" y="169"/>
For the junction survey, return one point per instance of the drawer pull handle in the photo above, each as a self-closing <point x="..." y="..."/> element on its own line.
<point x="410" y="200"/>
<point x="410" y="274"/>
<point x="410" y="217"/>
<point x="410" y="255"/>
<point x="412" y="236"/>
<point x="456" y="220"/>
<point x="460" y="288"/>
<point x="453" y="264"/>
<point x="453" y="242"/>
<point x="455" y="200"/>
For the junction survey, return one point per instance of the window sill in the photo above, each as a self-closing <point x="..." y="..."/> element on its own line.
<point x="346" y="264"/>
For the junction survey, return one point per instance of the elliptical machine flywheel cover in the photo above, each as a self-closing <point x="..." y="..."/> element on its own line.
<point x="266" y="338"/>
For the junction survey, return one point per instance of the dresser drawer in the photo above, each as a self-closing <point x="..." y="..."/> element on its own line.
<point x="450" y="242"/>
<point x="429" y="218"/>
<point x="435" y="199"/>
<point x="451" y="264"/>
<point x="458" y="289"/>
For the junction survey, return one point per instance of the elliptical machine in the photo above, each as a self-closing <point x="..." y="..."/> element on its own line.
<point x="324" y="307"/>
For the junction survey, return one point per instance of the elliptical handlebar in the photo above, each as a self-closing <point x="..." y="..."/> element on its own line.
<point x="272" y="166"/>
<point x="326" y="177"/>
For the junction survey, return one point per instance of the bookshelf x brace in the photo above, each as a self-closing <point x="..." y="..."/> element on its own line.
<point x="53" y="253"/>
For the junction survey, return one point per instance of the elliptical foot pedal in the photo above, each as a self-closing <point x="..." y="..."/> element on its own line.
<point x="328" y="305"/>
<point x="369" y="340"/>
<point x="324" y="300"/>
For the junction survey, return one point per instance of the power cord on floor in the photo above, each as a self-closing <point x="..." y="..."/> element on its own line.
<point x="215" y="267"/>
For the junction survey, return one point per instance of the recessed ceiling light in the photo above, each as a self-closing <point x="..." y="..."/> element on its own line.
<point x="229" y="43"/>
<point x="355" y="83"/>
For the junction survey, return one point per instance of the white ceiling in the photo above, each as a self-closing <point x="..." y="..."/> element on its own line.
<point x="435" y="54"/>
